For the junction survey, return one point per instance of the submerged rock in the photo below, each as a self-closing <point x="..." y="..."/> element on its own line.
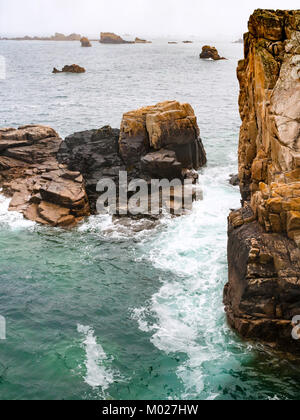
<point x="263" y="292"/>
<point x="111" y="38"/>
<point x="41" y="189"/>
<point x="85" y="42"/>
<point x="210" y="53"/>
<point x="73" y="68"/>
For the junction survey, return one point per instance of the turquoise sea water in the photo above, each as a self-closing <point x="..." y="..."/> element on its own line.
<point x="108" y="310"/>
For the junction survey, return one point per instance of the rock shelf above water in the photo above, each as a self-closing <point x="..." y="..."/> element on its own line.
<point x="263" y="292"/>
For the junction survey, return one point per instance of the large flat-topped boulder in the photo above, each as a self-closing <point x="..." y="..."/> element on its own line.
<point x="42" y="189"/>
<point x="169" y="125"/>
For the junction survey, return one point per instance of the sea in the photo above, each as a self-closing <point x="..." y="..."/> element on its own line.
<point x="113" y="310"/>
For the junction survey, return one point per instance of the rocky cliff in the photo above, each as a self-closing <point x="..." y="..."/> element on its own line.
<point x="263" y="293"/>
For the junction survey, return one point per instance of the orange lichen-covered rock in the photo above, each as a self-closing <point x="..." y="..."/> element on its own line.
<point x="169" y="125"/>
<point x="263" y="294"/>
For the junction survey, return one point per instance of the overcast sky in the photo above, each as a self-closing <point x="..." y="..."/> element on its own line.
<point x="201" y="18"/>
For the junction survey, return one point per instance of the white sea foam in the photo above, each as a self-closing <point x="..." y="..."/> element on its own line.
<point x="98" y="372"/>
<point x="12" y="219"/>
<point x="188" y="308"/>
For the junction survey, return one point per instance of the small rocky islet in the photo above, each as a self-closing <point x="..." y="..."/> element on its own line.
<point x="53" y="182"/>
<point x="73" y="68"/>
<point x="211" y="53"/>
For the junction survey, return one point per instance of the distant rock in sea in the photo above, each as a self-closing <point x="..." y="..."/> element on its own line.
<point x="56" y="37"/>
<point x="210" y="53"/>
<point x="172" y="42"/>
<point x="111" y="38"/>
<point x="73" y="68"/>
<point x="142" y="41"/>
<point x="85" y="42"/>
<point x="187" y="42"/>
<point x="239" y="41"/>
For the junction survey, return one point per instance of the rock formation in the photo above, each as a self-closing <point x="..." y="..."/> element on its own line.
<point x="160" y="141"/>
<point x="42" y="189"/>
<point x="56" y="37"/>
<point x="73" y="68"/>
<point x="263" y="293"/>
<point x="210" y="53"/>
<point x="142" y="41"/>
<point x="172" y="42"/>
<point x="166" y="126"/>
<point x="54" y="182"/>
<point x="111" y="38"/>
<point x="95" y="154"/>
<point x="187" y="42"/>
<point x="85" y="42"/>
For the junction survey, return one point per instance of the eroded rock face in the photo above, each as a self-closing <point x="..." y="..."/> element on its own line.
<point x="210" y="52"/>
<point x="269" y="173"/>
<point x="167" y="125"/>
<point x="85" y="42"/>
<point x="111" y="38"/>
<point x="42" y="189"/>
<point x="73" y="68"/>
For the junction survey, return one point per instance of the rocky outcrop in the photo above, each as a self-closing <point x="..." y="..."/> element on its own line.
<point x="85" y="42"/>
<point x="166" y="126"/>
<point x="210" y="53"/>
<point x="111" y="38"/>
<point x="160" y="141"/>
<point x="263" y="291"/>
<point x="142" y="41"/>
<point x="42" y="189"/>
<point x="73" y="68"/>
<point x="187" y="42"/>
<point x="54" y="182"/>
